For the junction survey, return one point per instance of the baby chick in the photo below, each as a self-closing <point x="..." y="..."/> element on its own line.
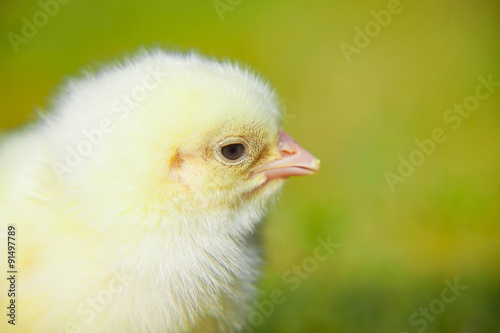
<point x="135" y="201"/>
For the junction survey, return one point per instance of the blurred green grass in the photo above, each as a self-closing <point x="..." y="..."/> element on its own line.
<point x="396" y="247"/>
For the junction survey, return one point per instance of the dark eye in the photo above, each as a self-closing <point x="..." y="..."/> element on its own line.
<point x="233" y="151"/>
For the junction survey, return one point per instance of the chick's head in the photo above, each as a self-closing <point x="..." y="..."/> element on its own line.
<point x="204" y="138"/>
<point x="214" y="129"/>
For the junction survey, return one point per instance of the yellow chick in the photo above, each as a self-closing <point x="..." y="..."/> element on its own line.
<point x="132" y="206"/>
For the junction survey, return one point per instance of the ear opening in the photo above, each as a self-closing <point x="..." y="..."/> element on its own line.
<point x="173" y="159"/>
<point x="172" y="162"/>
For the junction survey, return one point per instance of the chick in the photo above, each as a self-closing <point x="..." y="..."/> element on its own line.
<point x="136" y="199"/>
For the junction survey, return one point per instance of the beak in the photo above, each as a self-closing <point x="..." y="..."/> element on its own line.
<point x="295" y="160"/>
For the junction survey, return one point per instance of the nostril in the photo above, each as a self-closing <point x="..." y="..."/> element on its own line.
<point x="287" y="145"/>
<point x="286" y="153"/>
<point x="287" y="149"/>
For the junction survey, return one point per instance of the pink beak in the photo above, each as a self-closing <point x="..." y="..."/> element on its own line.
<point x="295" y="161"/>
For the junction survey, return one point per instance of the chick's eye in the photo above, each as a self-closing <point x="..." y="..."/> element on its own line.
<point x="233" y="151"/>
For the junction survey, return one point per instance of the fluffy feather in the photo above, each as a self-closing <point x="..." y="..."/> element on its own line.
<point x="127" y="221"/>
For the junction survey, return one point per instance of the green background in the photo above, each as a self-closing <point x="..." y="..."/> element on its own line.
<point x="396" y="247"/>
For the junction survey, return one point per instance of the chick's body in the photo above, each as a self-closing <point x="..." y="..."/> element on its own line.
<point x="132" y="213"/>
